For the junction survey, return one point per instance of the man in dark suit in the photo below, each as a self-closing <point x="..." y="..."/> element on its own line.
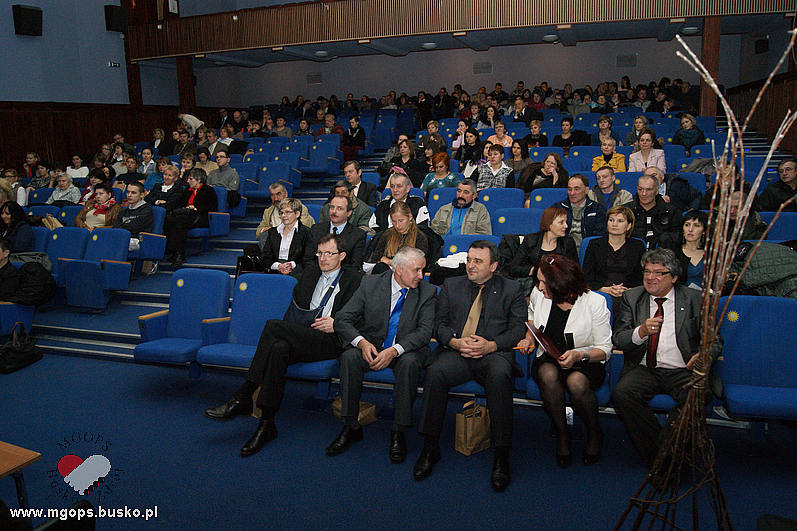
<point x="660" y="351"/>
<point x="364" y="191"/>
<point x="479" y="320"/>
<point x="340" y="209"/>
<point x="284" y="343"/>
<point x="387" y="323"/>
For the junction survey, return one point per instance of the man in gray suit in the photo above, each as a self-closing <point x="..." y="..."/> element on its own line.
<point x="387" y="323"/>
<point x="480" y="318"/>
<point x="658" y="328"/>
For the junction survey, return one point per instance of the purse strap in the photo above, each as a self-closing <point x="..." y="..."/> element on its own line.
<point x="328" y="293"/>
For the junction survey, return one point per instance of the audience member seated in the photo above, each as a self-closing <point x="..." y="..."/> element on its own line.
<point x="214" y="143"/>
<point x="585" y="217"/>
<point x="77" y="170"/>
<point x="689" y="134"/>
<point x="271" y="216"/>
<point x="654" y="219"/>
<point x="117" y="159"/>
<point x="464" y="215"/>
<point x="641" y="123"/>
<point x="579" y="106"/>
<point x="65" y="193"/>
<point x="609" y="156"/>
<point x="458" y="138"/>
<point x="18" y="192"/>
<point x="535" y="138"/>
<point x="551" y="238"/>
<point x="130" y="173"/>
<point x="15" y="228"/>
<point x="607" y="193"/>
<point x="42" y="177"/>
<point x="353" y="139"/>
<point x="198" y="200"/>
<point x="361" y="214"/>
<point x="519" y="112"/>
<point x="519" y="160"/>
<point x="432" y="134"/>
<point x="167" y="194"/>
<point x="404" y="232"/>
<point x="303" y="129"/>
<point x="148" y="165"/>
<point x="500" y="137"/>
<point x="340" y="210"/>
<point x="781" y="190"/>
<point x="330" y="127"/>
<point x="754" y="228"/>
<point x="495" y="174"/>
<point x="551" y="174"/>
<point x="399" y="184"/>
<point x="576" y="320"/>
<point x="185" y="146"/>
<point x="612" y="263"/>
<point x="469" y="154"/>
<point x="391" y="153"/>
<point x="414" y="169"/>
<point x="442" y="177"/>
<point x="283" y="251"/>
<point x="362" y="190"/>
<point x="690" y="248"/>
<point x="288" y="341"/>
<point x="137" y="216"/>
<point x="9" y="274"/>
<point x="99" y="211"/>
<point x="604" y="132"/>
<point x="675" y="190"/>
<point x="226" y="177"/>
<point x="160" y="142"/>
<point x="569" y="136"/>
<point x="203" y="160"/>
<point x="280" y="129"/>
<point x="660" y="356"/>
<point x="488" y="119"/>
<point x="647" y="156"/>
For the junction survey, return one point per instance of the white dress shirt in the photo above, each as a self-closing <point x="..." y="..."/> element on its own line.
<point x="324" y="281"/>
<point x="395" y="294"/>
<point x="285" y="244"/>
<point x="668" y="355"/>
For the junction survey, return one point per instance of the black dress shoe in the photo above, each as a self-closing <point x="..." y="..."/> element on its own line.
<point x="266" y="431"/>
<point x="344" y="439"/>
<point x="500" y="477"/>
<point x="425" y="463"/>
<point x="229" y="409"/>
<point x="398" y="447"/>
<point x="564" y="460"/>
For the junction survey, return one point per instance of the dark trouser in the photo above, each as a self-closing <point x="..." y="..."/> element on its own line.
<point x="631" y="395"/>
<point x="281" y="344"/>
<point x="176" y="227"/>
<point x="450" y="369"/>
<point x="350" y="152"/>
<point x="407" y="370"/>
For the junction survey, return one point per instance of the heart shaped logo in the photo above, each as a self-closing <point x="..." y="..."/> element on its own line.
<point x="83" y="475"/>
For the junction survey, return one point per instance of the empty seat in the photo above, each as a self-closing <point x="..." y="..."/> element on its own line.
<point x="459" y="243"/>
<point x="497" y="198"/>
<point x="516" y="221"/>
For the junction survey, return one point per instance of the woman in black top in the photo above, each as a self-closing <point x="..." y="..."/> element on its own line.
<point x="283" y="251"/>
<point x="416" y="169"/>
<point x="197" y="202"/>
<point x="353" y="140"/>
<point x="15" y="228"/>
<point x="551" y="174"/>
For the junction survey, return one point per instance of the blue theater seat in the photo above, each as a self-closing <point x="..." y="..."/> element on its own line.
<point x="65" y="243"/>
<point x="545" y="197"/>
<point x="439" y="197"/>
<point x="458" y="243"/>
<point x="173" y="336"/>
<point x="497" y="198"/>
<point x="516" y="221"/>
<point x="11" y="313"/>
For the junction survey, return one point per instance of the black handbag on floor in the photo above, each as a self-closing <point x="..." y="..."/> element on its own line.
<point x="19" y="352"/>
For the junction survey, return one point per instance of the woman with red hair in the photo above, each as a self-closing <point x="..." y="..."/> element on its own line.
<point x="441" y="177"/>
<point x="576" y="321"/>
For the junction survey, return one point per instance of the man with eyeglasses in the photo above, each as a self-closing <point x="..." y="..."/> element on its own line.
<point x="658" y="329"/>
<point x="226" y="175"/>
<point x="781" y="190"/>
<point x="655" y="218"/>
<point x="306" y="334"/>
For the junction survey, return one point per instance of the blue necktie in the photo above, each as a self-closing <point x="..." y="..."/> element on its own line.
<point x="392" y="324"/>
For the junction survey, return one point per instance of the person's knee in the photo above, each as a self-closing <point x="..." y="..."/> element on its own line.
<point x="350" y="358"/>
<point x="577" y="385"/>
<point x="548" y="375"/>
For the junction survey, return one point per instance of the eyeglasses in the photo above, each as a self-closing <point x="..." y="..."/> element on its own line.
<point x="655" y="274"/>
<point x="326" y="254"/>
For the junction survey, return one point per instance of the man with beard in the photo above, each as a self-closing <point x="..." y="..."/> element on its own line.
<point x="463" y="215"/>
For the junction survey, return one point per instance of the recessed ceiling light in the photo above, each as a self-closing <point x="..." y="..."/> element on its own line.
<point x="321" y="53"/>
<point x="429" y="45"/>
<point x="551" y="37"/>
<point x="690" y="30"/>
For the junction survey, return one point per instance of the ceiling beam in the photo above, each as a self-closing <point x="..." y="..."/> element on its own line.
<point x="382" y="47"/>
<point x="233" y="60"/>
<point x="567" y="35"/>
<point x="471" y="41"/>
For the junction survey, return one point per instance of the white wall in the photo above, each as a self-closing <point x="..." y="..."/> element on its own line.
<point x="587" y="62"/>
<point x="69" y="62"/>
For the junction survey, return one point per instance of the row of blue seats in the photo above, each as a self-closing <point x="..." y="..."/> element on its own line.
<point x="198" y="329"/>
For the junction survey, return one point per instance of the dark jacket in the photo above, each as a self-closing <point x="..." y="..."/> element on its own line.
<point x="530" y="252"/>
<point x="593" y="219"/>
<point x="368" y="193"/>
<point x="136" y="220"/>
<point x="664" y="220"/>
<point x="682" y="195"/>
<point x="205" y="201"/>
<point x="172" y="197"/>
<point x="355" y="244"/>
<point x="303" y="291"/>
<point x="9" y="281"/>
<point x="775" y="194"/>
<point x="382" y="211"/>
<point x="296" y="253"/>
<point x="595" y="262"/>
<point x="21" y="237"/>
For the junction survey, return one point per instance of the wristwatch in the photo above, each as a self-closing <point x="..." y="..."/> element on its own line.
<point x="584" y="358"/>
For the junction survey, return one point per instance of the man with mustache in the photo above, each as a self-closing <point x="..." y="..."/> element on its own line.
<point x="463" y="215"/>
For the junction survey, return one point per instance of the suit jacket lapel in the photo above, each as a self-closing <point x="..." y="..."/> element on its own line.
<point x="410" y="301"/>
<point x="643" y="307"/>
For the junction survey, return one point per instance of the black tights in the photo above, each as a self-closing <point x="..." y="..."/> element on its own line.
<point x="585" y="404"/>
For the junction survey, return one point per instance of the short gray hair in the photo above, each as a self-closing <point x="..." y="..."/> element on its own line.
<point x="200" y="175"/>
<point x="663" y="257"/>
<point x="407" y="254"/>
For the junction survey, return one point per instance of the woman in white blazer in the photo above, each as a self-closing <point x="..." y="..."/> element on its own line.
<point x="577" y="320"/>
<point x="647" y="156"/>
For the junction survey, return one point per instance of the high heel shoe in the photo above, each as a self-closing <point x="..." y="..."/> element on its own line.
<point x="589" y="458"/>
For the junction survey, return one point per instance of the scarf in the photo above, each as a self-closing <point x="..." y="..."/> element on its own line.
<point x="193" y="195"/>
<point x="102" y="209"/>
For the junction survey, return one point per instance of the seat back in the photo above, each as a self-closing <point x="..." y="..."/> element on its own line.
<point x="458" y="243"/>
<point x="498" y="198"/>
<point x="314" y="209"/>
<point x="278" y="140"/>
<point x="785" y="228"/>
<point x="67" y="242"/>
<point x="289" y="157"/>
<point x="371" y="177"/>
<point x="756" y="347"/>
<point x="582" y="250"/>
<point x="39" y="195"/>
<point x="196" y="294"/>
<point x="271" y="172"/>
<point x="221" y="198"/>
<point x="439" y="197"/>
<point x="108" y="244"/>
<point x="516" y="221"/>
<point x="43" y="210"/>
<point x="333" y="138"/>
<point x="545" y="197"/>
<point x="256" y="299"/>
<point x="68" y="214"/>
<point x="538" y="154"/>
<point x="247" y="170"/>
<point x="159" y="213"/>
<point x="41" y="235"/>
